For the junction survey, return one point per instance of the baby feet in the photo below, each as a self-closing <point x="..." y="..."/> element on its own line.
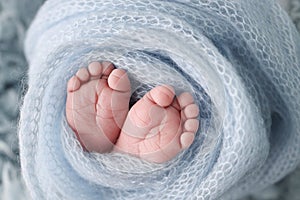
<point x="156" y="128"/>
<point x="97" y="105"/>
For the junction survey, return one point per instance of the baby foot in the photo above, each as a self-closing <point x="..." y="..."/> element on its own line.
<point x="158" y="126"/>
<point x="97" y="105"/>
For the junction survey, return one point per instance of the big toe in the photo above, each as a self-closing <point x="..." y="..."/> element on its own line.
<point x="119" y="81"/>
<point x="162" y="95"/>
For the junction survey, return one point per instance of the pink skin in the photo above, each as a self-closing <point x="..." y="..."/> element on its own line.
<point x="97" y="105"/>
<point x="158" y="126"/>
<point x="155" y="129"/>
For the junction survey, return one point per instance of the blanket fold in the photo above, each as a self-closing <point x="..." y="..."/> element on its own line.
<point x="239" y="59"/>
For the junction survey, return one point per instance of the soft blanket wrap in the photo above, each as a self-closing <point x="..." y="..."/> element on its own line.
<point x="240" y="60"/>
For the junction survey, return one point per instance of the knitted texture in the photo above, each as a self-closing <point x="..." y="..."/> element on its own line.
<point x="239" y="59"/>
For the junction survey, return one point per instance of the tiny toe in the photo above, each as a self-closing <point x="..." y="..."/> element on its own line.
<point x="185" y="99"/>
<point x="118" y="80"/>
<point x="191" y="125"/>
<point x="73" y="84"/>
<point x="83" y="74"/>
<point x="191" y="111"/>
<point x="186" y="139"/>
<point x="107" y="67"/>
<point x="162" y="95"/>
<point x="95" y="68"/>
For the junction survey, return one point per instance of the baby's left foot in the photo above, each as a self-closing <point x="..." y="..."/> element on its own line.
<point x="158" y="126"/>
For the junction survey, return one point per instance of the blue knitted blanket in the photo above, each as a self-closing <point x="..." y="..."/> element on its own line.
<point x="239" y="59"/>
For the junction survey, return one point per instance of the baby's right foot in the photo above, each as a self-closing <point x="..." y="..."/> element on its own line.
<point x="97" y="105"/>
